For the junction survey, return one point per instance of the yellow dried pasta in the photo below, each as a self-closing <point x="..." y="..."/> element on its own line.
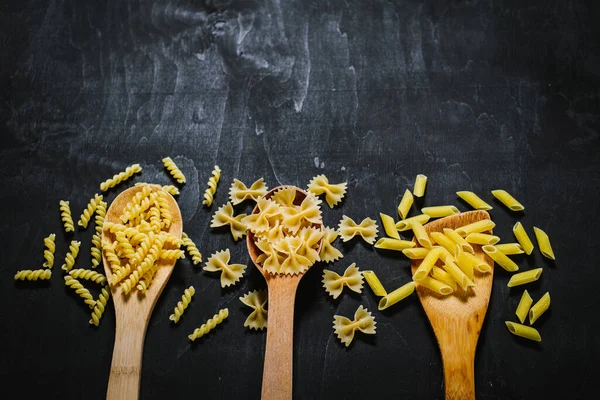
<point x="209" y="193"/>
<point x="88" y="212"/>
<point x="395" y="296"/>
<point x="374" y="283"/>
<point x="209" y="325"/>
<point x="508" y="200"/>
<point x="345" y="328"/>
<point x="329" y="253"/>
<point x="174" y="170"/>
<point x="230" y="273"/>
<point x="224" y="216"/>
<point x="49" y="243"/>
<point x="389" y="226"/>
<point x="99" y="307"/>
<point x="524" y="306"/>
<point x="191" y="249"/>
<point x="71" y="256"/>
<point x="420" y="184"/>
<point x="239" y="192"/>
<point x="544" y="243"/>
<point x="186" y="298"/>
<point x="256" y="300"/>
<point x="334" y="193"/>
<point x="88" y="275"/>
<point x="33" y="275"/>
<point x="66" y="216"/>
<point x="334" y="283"/>
<point x="526" y="332"/>
<point x="80" y="290"/>
<point x="367" y="229"/>
<point x="120" y="177"/>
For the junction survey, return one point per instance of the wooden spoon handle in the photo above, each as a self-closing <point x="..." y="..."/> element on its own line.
<point x="457" y="346"/>
<point x="126" y="367"/>
<point x="278" y="368"/>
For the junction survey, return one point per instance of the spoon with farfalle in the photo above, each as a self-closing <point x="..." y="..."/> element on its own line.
<point x="285" y="232"/>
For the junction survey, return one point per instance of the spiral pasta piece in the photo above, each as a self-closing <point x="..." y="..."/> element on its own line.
<point x="191" y="249"/>
<point x="120" y="177"/>
<point x="209" y="193"/>
<point x="80" y="290"/>
<point x="146" y="280"/>
<point x="111" y="256"/>
<point x="88" y="275"/>
<point x="50" y="244"/>
<point x="89" y="211"/>
<point x="173" y="170"/>
<point x="98" y="310"/>
<point x="96" y="251"/>
<point x="71" y="256"/>
<point x="172" y="190"/>
<point x="210" y="324"/>
<point x="186" y="298"/>
<point x="165" y="211"/>
<point x="151" y="257"/>
<point x="33" y="275"/>
<point x="172" y="255"/>
<point x="66" y="216"/>
<point x="100" y="215"/>
<point x="120" y="274"/>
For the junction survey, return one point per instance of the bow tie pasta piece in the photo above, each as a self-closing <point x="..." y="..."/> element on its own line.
<point x="345" y="329"/>
<point x="367" y="229"/>
<point x="311" y="238"/>
<point x="334" y="284"/>
<point x="224" y="216"/>
<point x="230" y="273"/>
<point x="294" y="263"/>
<point x="334" y="193"/>
<point x="259" y="222"/>
<point x="285" y="197"/>
<point x="328" y="252"/>
<point x="308" y="213"/>
<point x="271" y="259"/>
<point x="239" y="192"/>
<point x="257" y="300"/>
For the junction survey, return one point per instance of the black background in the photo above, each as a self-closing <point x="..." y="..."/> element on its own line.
<point x="477" y="95"/>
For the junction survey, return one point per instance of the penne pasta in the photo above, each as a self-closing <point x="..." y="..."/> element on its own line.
<point x="524" y="331"/>
<point x="482" y="238"/>
<point x="525" y="277"/>
<point x="399" y="294"/>
<point x="374" y="283"/>
<point x="476" y="227"/>
<point x="524" y="306"/>
<point x="420" y="234"/>
<point x="394" y="244"/>
<point x="510" y="248"/>
<point x="523" y="238"/>
<point x="539" y="308"/>
<point x="475" y="262"/>
<point x="509" y="201"/>
<point x="435" y="285"/>
<point x="473" y="200"/>
<point x="426" y="265"/>
<point x="459" y="240"/>
<point x="443" y="276"/>
<point x="389" y="226"/>
<point x="404" y="225"/>
<point x="440" y="211"/>
<point x="500" y="258"/>
<point x="417" y="253"/>
<point x="420" y="183"/>
<point x="544" y="243"/>
<point x="444" y="241"/>
<point x="405" y="204"/>
<point x="457" y="274"/>
<point x="465" y="267"/>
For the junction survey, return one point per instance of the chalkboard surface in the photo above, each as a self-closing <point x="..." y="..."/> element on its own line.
<point x="477" y="95"/>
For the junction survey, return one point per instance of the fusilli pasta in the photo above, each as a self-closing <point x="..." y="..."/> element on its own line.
<point x="33" y="275"/>
<point x="50" y="244"/>
<point x="209" y="193"/>
<point x="66" y="216"/>
<point x="88" y="275"/>
<point x="80" y="290"/>
<point x="191" y="249"/>
<point x="99" y="307"/>
<point x="71" y="256"/>
<point x="210" y="324"/>
<point x="87" y="214"/>
<point x="173" y="170"/>
<point x="186" y="298"/>
<point x="120" y="177"/>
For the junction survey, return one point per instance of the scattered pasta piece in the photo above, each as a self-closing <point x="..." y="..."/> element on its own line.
<point x="420" y="183"/>
<point x="394" y="297"/>
<point x="544" y="243"/>
<point x="509" y="201"/>
<point x="50" y="244"/>
<point x="71" y="256"/>
<point x="88" y="275"/>
<point x="405" y="224"/>
<point x="186" y="298"/>
<point x="120" y="177"/>
<point x="473" y="200"/>
<point x="172" y="190"/>
<point x="405" y="204"/>
<point x="476" y="227"/>
<point x="80" y="290"/>
<point x="224" y="216"/>
<point x="420" y="234"/>
<point x="525" y="277"/>
<point x="389" y="226"/>
<point x="191" y="249"/>
<point x="257" y="300"/>
<point x="440" y="211"/>
<point x="394" y="244"/>
<point x="239" y="192"/>
<point x="524" y="306"/>
<point x="500" y="258"/>
<point x="510" y="248"/>
<point x="539" y="308"/>
<point x="374" y="283"/>
<point x="523" y="238"/>
<point x="209" y="193"/>
<point x="344" y="328"/>
<point x="328" y="252"/>
<point x="334" y="193"/>
<point x="230" y="273"/>
<point x="174" y="170"/>
<point x="417" y="253"/>
<point x="367" y="229"/>
<point x="334" y="284"/>
<point x="99" y="307"/>
<point x="33" y="275"/>
<point x="209" y="325"/>
<point x="89" y="211"/>
<point x="524" y="331"/>
<point x="66" y="216"/>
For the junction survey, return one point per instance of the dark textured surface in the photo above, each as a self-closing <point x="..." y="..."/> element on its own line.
<point x="477" y="95"/>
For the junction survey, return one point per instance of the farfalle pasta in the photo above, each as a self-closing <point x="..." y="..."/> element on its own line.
<point x="329" y="253"/>
<point x="345" y="328"/>
<point x="334" y="193"/>
<point x="239" y="192"/>
<point x="230" y="273"/>
<point x="367" y="229"/>
<point x="257" y="300"/>
<point x="334" y="283"/>
<point x="224" y="216"/>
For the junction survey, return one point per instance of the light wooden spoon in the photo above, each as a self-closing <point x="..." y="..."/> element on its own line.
<point x="133" y="311"/>
<point x="457" y="318"/>
<point x="278" y="367"/>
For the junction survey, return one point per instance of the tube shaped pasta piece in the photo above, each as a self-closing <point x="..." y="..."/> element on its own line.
<point x="457" y="274"/>
<point x="420" y="234"/>
<point x="444" y="241"/>
<point x="440" y="211"/>
<point x="524" y="331"/>
<point x="393" y="297"/>
<point x="404" y="225"/>
<point x="420" y="183"/>
<point x="389" y="226"/>
<point x="473" y="200"/>
<point x="525" y="277"/>
<point x="524" y="306"/>
<point x="443" y="276"/>
<point x="523" y="238"/>
<point x="467" y="267"/>
<point x="474" y="261"/>
<point x="417" y="253"/>
<point x="510" y="248"/>
<point x="539" y="308"/>
<point x="394" y="244"/>
<point x="500" y="258"/>
<point x="508" y="200"/>
<point x="374" y="283"/>
<point x="482" y="238"/>
<point x="476" y="227"/>
<point x="435" y="285"/>
<point x="426" y="265"/>
<point x="544" y="243"/>
<point x="405" y="204"/>
<point x="459" y="240"/>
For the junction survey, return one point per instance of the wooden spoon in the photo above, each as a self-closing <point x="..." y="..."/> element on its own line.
<point x="278" y="367"/>
<point x="133" y="311"/>
<point x="457" y="318"/>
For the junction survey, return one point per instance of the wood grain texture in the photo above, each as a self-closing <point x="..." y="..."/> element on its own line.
<point x="457" y="318"/>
